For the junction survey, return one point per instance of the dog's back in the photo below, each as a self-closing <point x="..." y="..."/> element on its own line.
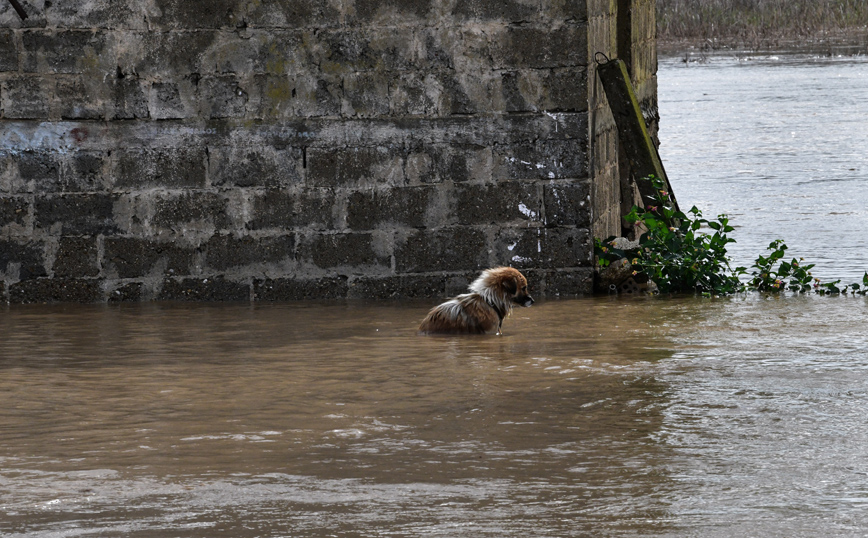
<point x="465" y="314"/>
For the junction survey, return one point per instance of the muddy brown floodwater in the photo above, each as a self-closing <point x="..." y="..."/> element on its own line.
<point x="588" y="417"/>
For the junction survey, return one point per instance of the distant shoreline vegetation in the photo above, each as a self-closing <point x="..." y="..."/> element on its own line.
<point x="761" y="24"/>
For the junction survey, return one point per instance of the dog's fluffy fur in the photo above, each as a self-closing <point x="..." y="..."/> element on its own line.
<point x="481" y="311"/>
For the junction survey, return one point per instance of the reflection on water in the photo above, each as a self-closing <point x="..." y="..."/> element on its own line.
<point x="778" y="143"/>
<point x="590" y="417"/>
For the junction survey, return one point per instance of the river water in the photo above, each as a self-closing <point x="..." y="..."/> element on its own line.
<point x="604" y="416"/>
<point x="778" y="142"/>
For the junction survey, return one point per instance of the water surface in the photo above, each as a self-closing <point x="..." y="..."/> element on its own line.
<point x="589" y="417"/>
<point x="778" y="142"/>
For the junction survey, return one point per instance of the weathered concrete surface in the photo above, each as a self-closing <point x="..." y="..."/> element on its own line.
<point x="236" y="150"/>
<point x="624" y="29"/>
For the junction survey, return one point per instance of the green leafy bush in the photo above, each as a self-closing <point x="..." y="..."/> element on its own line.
<point x="679" y="255"/>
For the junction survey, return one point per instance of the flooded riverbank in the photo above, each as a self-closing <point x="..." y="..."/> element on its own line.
<point x="589" y="417"/>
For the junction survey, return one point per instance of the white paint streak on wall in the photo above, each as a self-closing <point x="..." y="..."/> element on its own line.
<point x="527" y="212"/>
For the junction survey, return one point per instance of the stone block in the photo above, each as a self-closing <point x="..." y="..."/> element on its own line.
<point x="200" y="208"/>
<point x="215" y="288"/>
<point x="273" y="209"/>
<point x="119" y="15"/>
<point x="463" y="162"/>
<point x="542" y="159"/>
<point x="568" y="204"/>
<point x="75" y="214"/>
<point x="565" y="283"/>
<point x="351" y="50"/>
<point x="14" y="211"/>
<point x="272" y="97"/>
<point x="84" y="171"/>
<point x="63" y="51"/>
<point x="172" y="168"/>
<point x="22" y="261"/>
<point x="39" y="170"/>
<point x="412" y="94"/>
<point x="129" y="100"/>
<point x="225" y="98"/>
<point x="26" y="98"/>
<point x="497" y="203"/>
<point x="565" y="90"/>
<point x="76" y="257"/>
<point x="8" y="51"/>
<point x="438" y="49"/>
<point x="514" y="96"/>
<point x="127" y="293"/>
<point x="56" y="290"/>
<point x="348" y="251"/>
<point x="397" y="287"/>
<point x="513" y="11"/>
<point x="294" y="14"/>
<point x="298" y="289"/>
<point x="165" y="102"/>
<point x="543" y="248"/>
<point x="366" y="94"/>
<point x="454" y="95"/>
<point x="171" y="55"/>
<point x="419" y="167"/>
<point x="555" y="90"/>
<point x="318" y="95"/>
<point x="226" y="251"/>
<point x="205" y="15"/>
<point x="407" y="206"/>
<point x="346" y="167"/>
<point x="460" y="283"/>
<point x="447" y="249"/>
<point x="255" y="166"/>
<point x="538" y="47"/>
<point x="134" y="257"/>
<point x="78" y="101"/>
<point x="390" y="12"/>
<point x="514" y="128"/>
<point x="569" y="11"/>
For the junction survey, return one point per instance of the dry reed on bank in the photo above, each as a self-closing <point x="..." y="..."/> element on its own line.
<point x="758" y="21"/>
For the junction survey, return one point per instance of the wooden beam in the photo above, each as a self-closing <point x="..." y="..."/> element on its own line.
<point x="18" y="9"/>
<point x="632" y="130"/>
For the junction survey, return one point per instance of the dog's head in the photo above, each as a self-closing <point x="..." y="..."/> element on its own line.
<point x="507" y="282"/>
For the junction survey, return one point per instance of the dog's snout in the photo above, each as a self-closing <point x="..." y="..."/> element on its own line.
<point x="523" y="300"/>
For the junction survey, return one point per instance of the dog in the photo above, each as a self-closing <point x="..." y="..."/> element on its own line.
<point x="481" y="311"/>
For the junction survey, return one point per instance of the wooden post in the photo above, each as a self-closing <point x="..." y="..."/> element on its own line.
<point x="18" y="9"/>
<point x="632" y="130"/>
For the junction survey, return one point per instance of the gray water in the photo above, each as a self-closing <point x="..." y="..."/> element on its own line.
<point x="606" y="416"/>
<point x="779" y="142"/>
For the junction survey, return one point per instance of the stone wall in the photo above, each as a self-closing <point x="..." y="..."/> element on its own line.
<point x="294" y="149"/>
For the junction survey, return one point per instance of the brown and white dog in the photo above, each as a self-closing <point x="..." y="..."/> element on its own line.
<point x="481" y="311"/>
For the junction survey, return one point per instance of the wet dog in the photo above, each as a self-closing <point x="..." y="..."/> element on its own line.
<point x="481" y="311"/>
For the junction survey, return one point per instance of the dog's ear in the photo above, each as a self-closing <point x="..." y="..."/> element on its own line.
<point x="510" y="286"/>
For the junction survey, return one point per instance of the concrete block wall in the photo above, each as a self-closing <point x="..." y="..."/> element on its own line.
<point x="294" y="149"/>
